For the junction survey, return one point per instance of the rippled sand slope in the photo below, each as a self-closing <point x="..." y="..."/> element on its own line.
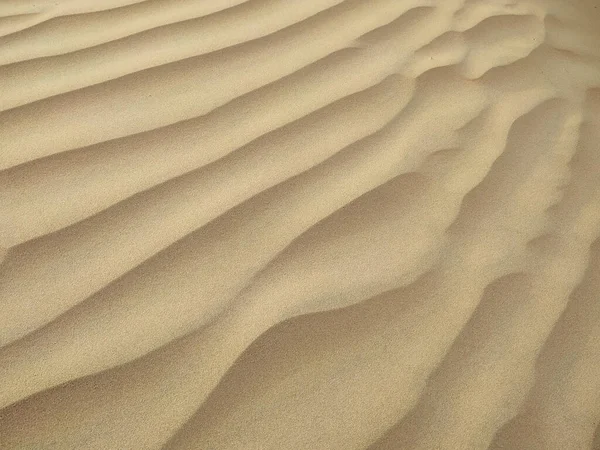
<point x="277" y="224"/>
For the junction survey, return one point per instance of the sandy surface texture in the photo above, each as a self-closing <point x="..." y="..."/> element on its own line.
<point x="300" y="224"/>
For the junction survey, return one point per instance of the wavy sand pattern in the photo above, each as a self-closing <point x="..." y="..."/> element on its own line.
<point x="276" y="224"/>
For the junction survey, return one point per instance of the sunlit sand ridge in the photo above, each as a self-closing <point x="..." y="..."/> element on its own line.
<point x="325" y="224"/>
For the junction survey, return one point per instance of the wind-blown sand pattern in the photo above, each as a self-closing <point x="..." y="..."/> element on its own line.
<point x="276" y="224"/>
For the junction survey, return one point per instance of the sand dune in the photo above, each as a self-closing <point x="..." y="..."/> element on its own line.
<point x="332" y="224"/>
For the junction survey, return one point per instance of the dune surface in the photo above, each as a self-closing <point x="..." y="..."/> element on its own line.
<point x="276" y="224"/>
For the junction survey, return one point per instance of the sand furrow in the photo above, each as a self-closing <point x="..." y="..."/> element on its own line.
<point x="12" y="7"/>
<point x="550" y="418"/>
<point x="252" y="299"/>
<point x="190" y="144"/>
<point x="215" y="435"/>
<point x="551" y="255"/>
<point x="378" y="148"/>
<point x="206" y="190"/>
<point x="65" y="34"/>
<point x="562" y="408"/>
<point x="173" y="92"/>
<point x="421" y="112"/>
<point x="13" y="24"/>
<point x="59" y="74"/>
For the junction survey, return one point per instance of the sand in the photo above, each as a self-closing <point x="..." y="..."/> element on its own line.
<point x="280" y="224"/>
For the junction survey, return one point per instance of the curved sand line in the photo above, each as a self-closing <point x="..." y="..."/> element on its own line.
<point x="344" y="224"/>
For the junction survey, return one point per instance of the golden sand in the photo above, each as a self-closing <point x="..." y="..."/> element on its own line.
<point x="300" y="224"/>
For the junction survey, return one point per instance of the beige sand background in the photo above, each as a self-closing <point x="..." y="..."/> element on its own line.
<point x="300" y="224"/>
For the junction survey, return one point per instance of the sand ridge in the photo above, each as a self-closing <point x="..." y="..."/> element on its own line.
<point x="343" y="224"/>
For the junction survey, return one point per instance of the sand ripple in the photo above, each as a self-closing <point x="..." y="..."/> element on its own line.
<point x="337" y="224"/>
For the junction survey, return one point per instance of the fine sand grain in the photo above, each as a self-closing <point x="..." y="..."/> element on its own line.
<point x="300" y="224"/>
